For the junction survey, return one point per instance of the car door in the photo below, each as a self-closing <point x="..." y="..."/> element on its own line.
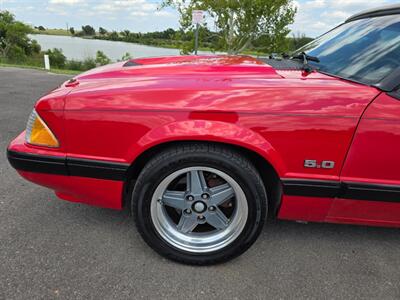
<point x="371" y="173"/>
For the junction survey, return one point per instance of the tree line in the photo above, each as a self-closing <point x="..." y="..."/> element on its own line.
<point x="184" y="40"/>
<point x="17" y="48"/>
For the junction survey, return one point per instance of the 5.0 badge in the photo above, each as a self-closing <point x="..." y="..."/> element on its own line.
<point x="314" y="164"/>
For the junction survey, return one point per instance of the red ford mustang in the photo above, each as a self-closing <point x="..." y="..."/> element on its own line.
<point x="203" y="148"/>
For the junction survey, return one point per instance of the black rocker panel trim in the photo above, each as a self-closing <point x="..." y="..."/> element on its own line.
<point x="373" y="192"/>
<point x="67" y="166"/>
<point x="96" y="169"/>
<point x="344" y="190"/>
<point x="308" y="188"/>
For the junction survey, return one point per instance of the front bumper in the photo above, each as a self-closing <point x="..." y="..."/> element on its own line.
<point x="22" y="161"/>
<point x="93" y="182"/>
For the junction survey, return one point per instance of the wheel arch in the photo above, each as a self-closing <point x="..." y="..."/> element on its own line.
<point x="266" y="170"/>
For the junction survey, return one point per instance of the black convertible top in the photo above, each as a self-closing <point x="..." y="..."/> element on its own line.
<point x="376" y="12"/>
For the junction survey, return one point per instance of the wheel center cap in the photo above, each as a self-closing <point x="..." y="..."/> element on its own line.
<point x="199" y="207"/>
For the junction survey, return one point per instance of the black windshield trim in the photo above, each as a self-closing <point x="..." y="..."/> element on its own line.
<point x="390" y="82"/>
<point x="373" y="13"/>
<point x="395" y="94"/>
<point x="346" y="78"/>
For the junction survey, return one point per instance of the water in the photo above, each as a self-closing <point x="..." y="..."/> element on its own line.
<point x="79" y="49"/>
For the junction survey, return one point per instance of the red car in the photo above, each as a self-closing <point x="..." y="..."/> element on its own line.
<point x="203" y="148"/>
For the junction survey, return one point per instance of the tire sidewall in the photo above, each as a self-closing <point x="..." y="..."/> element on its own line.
<point x="155" y="173"/>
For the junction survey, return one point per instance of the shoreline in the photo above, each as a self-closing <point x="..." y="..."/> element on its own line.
<point x="165" y="46"/>
<point x="53" y="71"/>
<point x="168" y="46"/>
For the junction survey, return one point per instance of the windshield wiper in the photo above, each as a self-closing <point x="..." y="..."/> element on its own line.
<point x="305" y="58"/>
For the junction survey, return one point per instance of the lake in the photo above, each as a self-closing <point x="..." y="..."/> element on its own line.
<point x="79" y="48"/>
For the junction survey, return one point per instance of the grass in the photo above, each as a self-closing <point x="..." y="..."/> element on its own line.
<point x="55" y="71"/>
<point x="52" y="32"/>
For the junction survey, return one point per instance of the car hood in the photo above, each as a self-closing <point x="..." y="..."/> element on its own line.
<point x="212" y="83"/>
<point x="174" y="71"/>
<point x="183" y="66"/>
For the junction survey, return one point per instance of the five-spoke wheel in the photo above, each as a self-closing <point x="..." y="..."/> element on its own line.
<point x="199" y="209"/>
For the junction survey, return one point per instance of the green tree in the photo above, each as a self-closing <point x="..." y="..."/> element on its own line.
<point x="72" y="30"/>
<point x="88" y="30"/>
<point x="102" y="31"/>
<point x="169" y="34"/>
<point x="239" y="22"/>
<point x="41" y="28"/>
<point x="102" y="59"/>
<point x="14" y="41"/>
<point x="125" y="34"/>
<point x="299" y="40"/>
<point x="114" y="36"/>
<point x="34" y="47"/>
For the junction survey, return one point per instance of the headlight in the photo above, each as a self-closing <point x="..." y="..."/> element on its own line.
<point x="37" y="132"/>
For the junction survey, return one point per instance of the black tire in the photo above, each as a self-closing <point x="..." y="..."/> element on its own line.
<point x="205" y="155"/>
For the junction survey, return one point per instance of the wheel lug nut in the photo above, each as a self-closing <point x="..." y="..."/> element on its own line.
<point x="201" y="218"/>
<point x="211" y="208"/>
<point x="190" y="198"/>
<point x="188" y="211"/>
<point x="204" y="196"/>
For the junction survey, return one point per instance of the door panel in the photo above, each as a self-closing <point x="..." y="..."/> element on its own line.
<point x="372" y="168"/>
<point x="373" y="213"/>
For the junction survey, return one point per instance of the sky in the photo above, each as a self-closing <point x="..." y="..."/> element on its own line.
<point x="314" y="17"/>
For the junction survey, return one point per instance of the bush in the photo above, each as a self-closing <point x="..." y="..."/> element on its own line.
<point x="57" y="58"/>
<point x="74" y="65"/>
<point x="102" y="59"/>
<point x="114" y="36"/>
<point x="16" y="54"/>
<point x="88" y="63"/>
<point x="34" y="48"/>
<point x="126" y="56"/>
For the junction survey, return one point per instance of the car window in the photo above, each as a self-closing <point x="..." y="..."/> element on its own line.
<point x="365" y="50"/>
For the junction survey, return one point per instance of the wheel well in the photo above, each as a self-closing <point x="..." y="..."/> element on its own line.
<point x="267" y="172"/>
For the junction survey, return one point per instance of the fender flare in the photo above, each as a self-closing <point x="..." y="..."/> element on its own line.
<point x="208" y="131"/>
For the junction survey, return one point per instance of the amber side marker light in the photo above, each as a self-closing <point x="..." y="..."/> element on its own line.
<point x="38" y="134"/>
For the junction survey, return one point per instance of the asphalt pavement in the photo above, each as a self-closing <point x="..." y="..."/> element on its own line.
<point x="52" y="249"/>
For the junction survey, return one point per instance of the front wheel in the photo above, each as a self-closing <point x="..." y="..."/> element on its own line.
<point x="199" y="204"/>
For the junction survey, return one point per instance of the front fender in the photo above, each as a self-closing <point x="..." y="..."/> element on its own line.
<point x="210" y="131"/>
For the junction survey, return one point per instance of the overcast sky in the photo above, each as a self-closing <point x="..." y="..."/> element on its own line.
<point x="314" y="16"/>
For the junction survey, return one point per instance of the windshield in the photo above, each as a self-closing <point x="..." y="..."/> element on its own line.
<point x="365" y="50"/>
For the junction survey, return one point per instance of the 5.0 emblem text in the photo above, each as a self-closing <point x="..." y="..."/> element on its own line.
<point x="314" y="164"/>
